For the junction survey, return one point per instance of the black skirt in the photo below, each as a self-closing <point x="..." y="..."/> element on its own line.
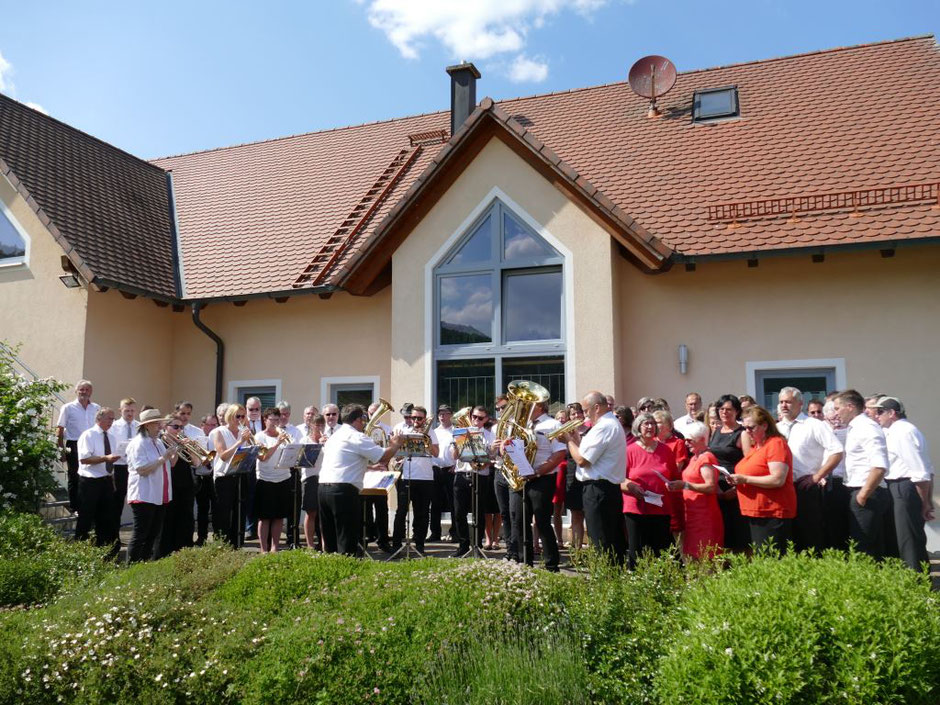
<point x="272" y="499"/>
<point x="311" y="502"/>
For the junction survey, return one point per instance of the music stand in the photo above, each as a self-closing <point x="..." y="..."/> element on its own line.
<point x="375" y="483"/>
<point x="408" y="452"/>
<point x="242" y="463"/>
<point x="295" y="456"/>
<point x="476" y="455"/>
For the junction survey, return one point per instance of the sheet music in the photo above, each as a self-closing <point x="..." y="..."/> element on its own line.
<point x="289" y="456"/>
<point x="516" y="453"/>
<point x="203" y="441"/>
<point x="653" y="498"/>
<point x="122" y="448"/>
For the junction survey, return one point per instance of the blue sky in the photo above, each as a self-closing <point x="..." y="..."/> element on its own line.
<point x="171" y="77"/>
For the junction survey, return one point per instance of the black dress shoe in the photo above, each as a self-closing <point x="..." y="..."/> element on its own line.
<point x="460" y="552"/>
<point x="434" y="538"/>
<point x="386" y="547"/>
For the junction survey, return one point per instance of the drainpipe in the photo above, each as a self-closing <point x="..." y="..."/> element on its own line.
<point x="219" y="350"/>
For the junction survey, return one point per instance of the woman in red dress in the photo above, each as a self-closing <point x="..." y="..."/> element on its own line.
<point x="704" y="527"/>
<point x="764" y="480"/>
<point x="668" y="437"/>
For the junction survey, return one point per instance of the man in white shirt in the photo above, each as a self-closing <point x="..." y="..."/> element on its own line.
<point x="346" y="456"/>
<point x="910" y="481"/>
<point x="123" y="430"/>
<point x="693" y="404"/>
<point x="816" y="453"/>
<point x="310" y="413"/>
<point x="463" y="486"/>
<point x="601" y="457"/>
<point x="534" y="501"/>
<point x="97" y="453"/>
<point x="331" y="414"/>
<point x="293" y="519"/>
<point x="75" y="418"/>
<point x="443" y="498"/>
<point x="835" y="493"/>
<point x="866" y="462"/>
<point x="416" y="482"/>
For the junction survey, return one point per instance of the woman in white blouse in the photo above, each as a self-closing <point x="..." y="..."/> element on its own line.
<point x="272" y="491"/>
<point x="229" y="517"/>
<point x="149" y="490"/>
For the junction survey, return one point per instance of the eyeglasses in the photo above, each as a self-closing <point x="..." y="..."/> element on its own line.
<point x="239" y="416"/>
<point x="417" y="418"/>
<point x="500" y="408"/>
<point x="749" y="429"/>
<point x="478" y="418"/>
<point x="174" y="425"/>
<point x="330" y="413"/>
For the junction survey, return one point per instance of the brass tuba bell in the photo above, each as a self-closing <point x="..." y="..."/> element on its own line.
<point x="513" y="423"/>
<point x="372" y="429"/>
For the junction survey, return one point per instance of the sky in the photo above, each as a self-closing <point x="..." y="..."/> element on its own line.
<point x="169" y="77"/>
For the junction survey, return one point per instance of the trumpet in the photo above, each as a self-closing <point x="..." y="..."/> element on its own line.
<point x="188" y="449"/>
<point x="251" y="439"/>
<point x="564" y="429"/>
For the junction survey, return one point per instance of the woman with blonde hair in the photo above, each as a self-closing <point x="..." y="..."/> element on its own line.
<point x="229" y="518"/>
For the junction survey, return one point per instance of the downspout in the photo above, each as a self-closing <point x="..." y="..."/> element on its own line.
<point x="219" y="350"/>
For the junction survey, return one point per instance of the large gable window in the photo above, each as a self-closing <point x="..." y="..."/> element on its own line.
<point x="13" y="240"/>
<point x="499" y="311"/>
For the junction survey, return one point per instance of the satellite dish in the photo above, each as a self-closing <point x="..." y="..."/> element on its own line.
<point x="652" y="77"/>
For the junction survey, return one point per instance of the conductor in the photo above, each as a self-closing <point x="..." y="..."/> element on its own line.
<point x="346" y="456"/>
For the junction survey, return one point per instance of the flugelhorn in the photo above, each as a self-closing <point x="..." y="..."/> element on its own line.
<point x="565" y="429"/>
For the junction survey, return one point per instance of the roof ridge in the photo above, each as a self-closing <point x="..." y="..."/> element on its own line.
<point x="400" y="118"/>
<point x="71" y="128"/>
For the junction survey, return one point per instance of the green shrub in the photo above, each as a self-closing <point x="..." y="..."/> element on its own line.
<point x="36" y="564"/>
<point x="798" y="629"/>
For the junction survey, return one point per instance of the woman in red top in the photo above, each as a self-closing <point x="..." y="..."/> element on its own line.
<point x="704" y="527"/>
<point x="667" y="436"/>
<point x="650" y="465"/>
<point x="764" y="480"/>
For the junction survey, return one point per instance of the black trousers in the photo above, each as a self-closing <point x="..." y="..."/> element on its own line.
<point x="95" y="507"/>
<point x="809" y="532"/>
<point x="120" y="498"/>
<point x="293" y="516"/>
<point x="178" y="521"/>
<point x="866" y="524"/>
<point x="71" y="464"/>
<point x="770" y="530"/>
<point x="229" y="517"/>
<point x="603" y="516"/>
<point x="148" y="521"/>
<point x="502" y="500"/>
<point x="646" y="532"/>
<point x="377" y="518"/>
<point x="534" y="501"/>
<point x="463" y="505"/>
<point x="421" y="491"/>
<point x="205" y="502"/>
<point x="836" y="512"/>
<point x="907" y="508"/>
<point x="340" y="517"/>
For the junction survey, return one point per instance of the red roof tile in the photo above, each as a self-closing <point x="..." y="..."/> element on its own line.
<point x="252" y="217"/>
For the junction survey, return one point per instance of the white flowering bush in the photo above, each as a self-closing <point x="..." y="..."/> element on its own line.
<point x="28" y="452"/>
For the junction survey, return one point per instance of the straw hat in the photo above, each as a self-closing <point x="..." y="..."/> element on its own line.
<point x="150" y="416"/>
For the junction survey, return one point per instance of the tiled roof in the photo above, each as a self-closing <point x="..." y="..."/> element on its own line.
<point x="253" y="216"/>
<point x="108" y="209"/>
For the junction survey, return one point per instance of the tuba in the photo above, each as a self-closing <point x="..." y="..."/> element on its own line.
<point x="514" y="424"/>
<point x="372" y="429"/>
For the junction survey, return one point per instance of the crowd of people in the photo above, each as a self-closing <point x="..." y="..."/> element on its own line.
<point x="729" y="476"/>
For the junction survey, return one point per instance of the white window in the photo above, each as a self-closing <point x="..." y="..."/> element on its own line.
<point x="814" y="378"/>
<point x="499" y="311"/>
<point x="14" y="242"/>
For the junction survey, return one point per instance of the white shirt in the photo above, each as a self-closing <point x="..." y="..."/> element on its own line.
<point x="144" y="450"/>
<point x="90" y="445"/>
<point x="255" y="425"/>
<point x="294" y="432"/>
<point x="865" y="449"/>
<point x="123" y="431"/>
<point x="908" y="453"/>
<point x="219" y="466"/>
<point x="191" y="431"/>
<point x="417" y="468"/>
<point x="266" y="469"/>
<point x="811" y="442"/>
<point x="346" y="456"/>
<point x="313" y="471"/>
<point x="544" y="448"/>
<point x="605" y="448"/>
<point x="839" y="433"/>
<point x="444" y="437"/>
<point x="76" y="420"/>
<point x="462" y="466"/>
<point x="682" y="424"/>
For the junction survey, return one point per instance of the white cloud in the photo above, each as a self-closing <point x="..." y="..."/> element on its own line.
<point x="523" y="70"/>
<point x="38" y="107"/>
<point x="6" y="70"/>
<point x="472" y="29"/>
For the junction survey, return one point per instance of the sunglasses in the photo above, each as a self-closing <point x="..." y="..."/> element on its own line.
<point x="478" y="418"/>
<point x="174" y="425"/>
<point x="417" y="418"/>
<point x="330" y="413"/>
<point x="749" y="429"/>
<point x="239" y="416"/>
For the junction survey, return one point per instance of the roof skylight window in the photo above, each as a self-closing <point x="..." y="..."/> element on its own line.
<point x="715" y="103"/>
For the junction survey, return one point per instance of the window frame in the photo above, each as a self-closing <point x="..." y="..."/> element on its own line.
<point x="238" y="387"/>
<point x="23" y="260"/>
<point x="330" y="385"/>
<point x="696" y="104"/>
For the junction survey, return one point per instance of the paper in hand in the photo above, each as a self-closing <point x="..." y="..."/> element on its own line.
<point x="653" y="498"/>
<point x="516" y="453"/>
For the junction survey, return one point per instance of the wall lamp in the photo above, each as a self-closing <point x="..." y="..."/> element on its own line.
<point x="683" y="359"/>
<point x="70" y="280"/>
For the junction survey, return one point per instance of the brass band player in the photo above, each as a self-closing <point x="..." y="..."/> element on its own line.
<point x="417" y="482"/>
<point x="310" y="478"/>
<point x="463" y="485"/>
<point x="534" y="500"/>
<point x="376" y="506"/>
<point x="229" y="517"/>
<point x="178" y="519"/>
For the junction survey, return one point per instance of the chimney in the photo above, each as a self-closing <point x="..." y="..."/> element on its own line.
<point x="463" y="93"/>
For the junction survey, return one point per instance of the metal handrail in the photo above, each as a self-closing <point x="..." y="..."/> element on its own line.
<point x="26" y="368"/>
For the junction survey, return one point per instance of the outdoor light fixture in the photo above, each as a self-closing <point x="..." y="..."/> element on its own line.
<point x="70" y="280"/>
<point x="683" y="359"/>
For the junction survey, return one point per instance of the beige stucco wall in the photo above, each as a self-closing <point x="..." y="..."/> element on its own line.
<point x="880" y="315"/>
<point x="38" y="312"/>
<point x="128" y="350"/>
<point x="298" y="342"/>
<point x="591" y="343"/>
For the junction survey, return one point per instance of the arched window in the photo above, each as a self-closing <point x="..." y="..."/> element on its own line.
<point x="13" y="240"/>
<point x="499" y="305"/>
